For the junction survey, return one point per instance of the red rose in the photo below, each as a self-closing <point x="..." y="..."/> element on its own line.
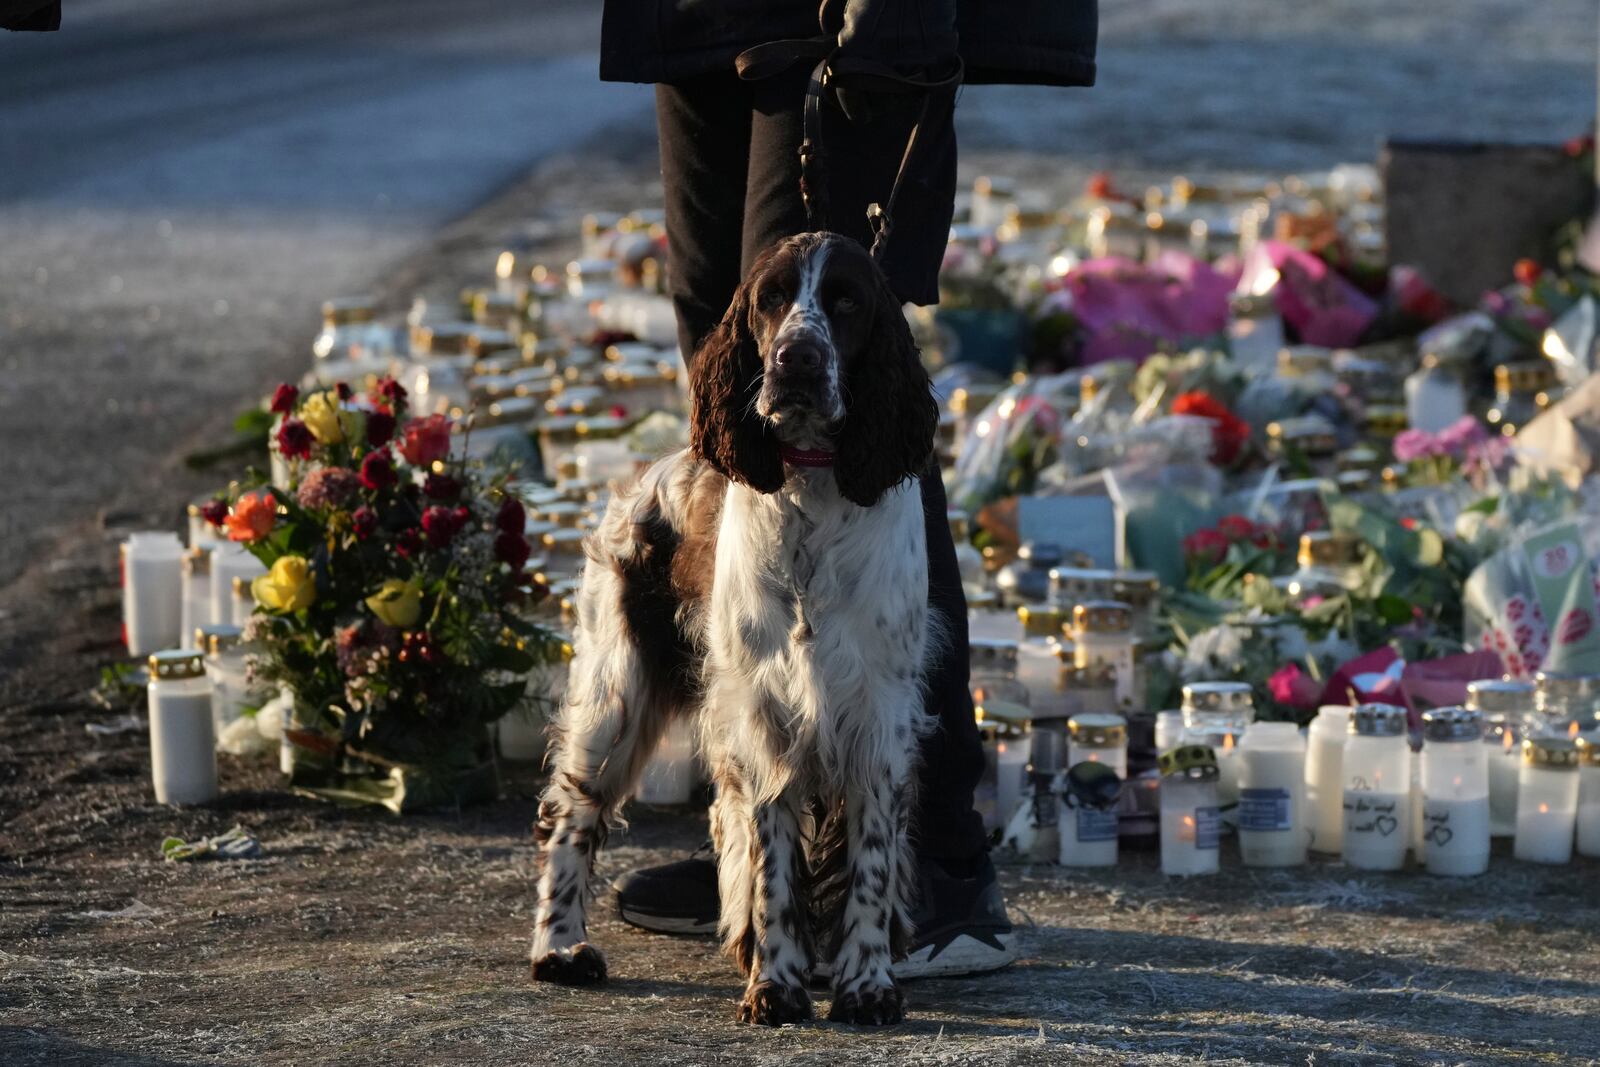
<point x="1206" y="546"/>
<point x="380" y="427"/>
<point x="419" y="647"/>
<point x="1228" y="432"/>
<point x="426" y="440"/>
<point x="512" y="517"/>
<point x="294" y="439"/>
<point x="512" y="548"/>
<point x="214" y="512"/>
<point x="377" y="471"/>
<point x="392" y="391"/>
<point x="409" y="543"/>
<point x="441" y="525"/>
<point x="343" y="389"/>
<point x="1527" y="271"/>
<point x="1099" y="186"/>
<point x="617" y="411"/>
<point x="283" y="399"/>
<point x="364" y="522"/>
<point x="441" y="487"/>
<point x="1236" y="528"/>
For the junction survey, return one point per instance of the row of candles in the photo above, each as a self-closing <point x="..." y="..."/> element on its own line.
<point x="1350" y="786"/>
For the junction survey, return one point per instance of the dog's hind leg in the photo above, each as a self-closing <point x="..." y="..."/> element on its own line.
<point x="760" y="868"/>
<point x="606" y="731"/>
<point x="876" y="902"/>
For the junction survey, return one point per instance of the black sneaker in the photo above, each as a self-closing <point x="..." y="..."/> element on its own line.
<point x="961" y="921"/>
<point x="674" y="898"/>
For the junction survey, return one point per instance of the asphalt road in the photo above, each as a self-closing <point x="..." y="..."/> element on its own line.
<point x="181" y="184"/>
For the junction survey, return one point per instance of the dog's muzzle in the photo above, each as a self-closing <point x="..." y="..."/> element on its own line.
<point x="797" y="381"/>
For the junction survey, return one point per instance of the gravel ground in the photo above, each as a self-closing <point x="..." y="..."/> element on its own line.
<point x="359" y="938"/>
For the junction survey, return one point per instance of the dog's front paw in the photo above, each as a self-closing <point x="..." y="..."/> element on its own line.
<point x="771" y="1004"/>
<point x="869" y="1006"/>
<point x="582" y="964"/>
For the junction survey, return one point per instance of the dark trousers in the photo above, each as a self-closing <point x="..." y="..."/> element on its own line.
<point x="731" y="172"/>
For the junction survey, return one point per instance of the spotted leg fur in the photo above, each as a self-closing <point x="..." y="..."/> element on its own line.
<point x="876" y="910"/>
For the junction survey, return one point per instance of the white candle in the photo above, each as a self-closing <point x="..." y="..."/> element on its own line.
<point x="152" y="592"/>
<point x="1190" y="827"/>
<point x="1040" y="668"/>
<point x="1589" y="794"/>
<point x="195" y="577"/>
<point x="1228" y="779"/>
<point x="201" y="532"/>
<point x="1169" y="730"/>
<point x="1087" y="822"/>
<point x="1272" y="776"/>
<point x="1098" y="737"/>
<point x="1377" y="789"/>
<point x="225" y="670"/>
<point x="1547" y="800"/>
<point x="1505" y="704"/>
<point x="243" y="603"/>
<point x="1455" y="792"/>
<point x="230" y="564"/>
<point x="183" y="759"/>
<point x="1325" y="742"/>
<point x="668" y="777"/>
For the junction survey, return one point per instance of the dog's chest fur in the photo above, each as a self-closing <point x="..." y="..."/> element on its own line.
<point x="813" y="601"/>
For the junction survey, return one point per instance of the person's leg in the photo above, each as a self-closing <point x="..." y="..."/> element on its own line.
<point x="704" y="129"/>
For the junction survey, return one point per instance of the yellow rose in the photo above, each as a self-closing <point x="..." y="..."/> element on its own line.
<point x="321" y="413"/>
<point x="397" y="603"/>
<point x="288" y="586"/>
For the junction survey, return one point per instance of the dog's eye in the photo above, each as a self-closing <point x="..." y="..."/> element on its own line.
<point x="845" y="305"/>
<point x="772" y="300"/>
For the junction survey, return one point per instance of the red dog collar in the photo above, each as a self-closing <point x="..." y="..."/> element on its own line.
<point x="805" y="457"/>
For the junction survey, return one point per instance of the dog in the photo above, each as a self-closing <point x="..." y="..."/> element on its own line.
<point x="770" y="583"/>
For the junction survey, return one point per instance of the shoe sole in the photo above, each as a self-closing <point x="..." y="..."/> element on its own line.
<point x="964" y="955"/>
<point x="679" y="925"/>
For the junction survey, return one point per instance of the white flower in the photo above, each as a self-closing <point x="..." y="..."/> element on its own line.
<point x="1333" y="651"/>
<point x="1213" y="652"/>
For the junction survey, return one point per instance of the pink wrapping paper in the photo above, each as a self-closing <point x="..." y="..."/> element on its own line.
<point x="1322" y="307"/>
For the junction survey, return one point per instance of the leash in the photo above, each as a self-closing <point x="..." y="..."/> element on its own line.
<point x="829" y="73"/>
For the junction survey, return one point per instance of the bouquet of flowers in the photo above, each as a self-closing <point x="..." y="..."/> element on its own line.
<point x="393" y="605"/>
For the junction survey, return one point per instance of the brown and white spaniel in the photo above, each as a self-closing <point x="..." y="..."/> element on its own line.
<point x="770" y="582"/>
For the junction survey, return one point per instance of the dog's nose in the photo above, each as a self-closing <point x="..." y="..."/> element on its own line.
<point x="802" y="357"/>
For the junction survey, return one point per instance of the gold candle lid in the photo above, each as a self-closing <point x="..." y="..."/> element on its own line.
<point x="1386" y="420"/>
<point x="177" y="663"/>
<point x="241" y="589"/>
<point x="1102" y="617"/>
<point x="197" y="560"/>
<point x="1326" y="548"/>
<point x="1551" y="753"/>
<point x="1302" y="360"/>
<point x="1041" y="620"/>
<point x="1527" y="376"/>
<point x="218" y="638"/>
<point x="1098" y="730"/>
<point x="1189" y="761"/>
<point x="346" y="311"/>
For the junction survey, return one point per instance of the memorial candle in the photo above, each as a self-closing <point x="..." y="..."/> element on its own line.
<point x="195" y="571"/>
<point x="183" y="759"/>
<point x="152" y="591"/>
<point x="1505" y="703"/>
<point x="1377" y="789"/>
<point x="1189" y="825"/>
<point x="1589" y="794"/>
<point x="1325" y="778"/>
<point x="1272" y="781"/>
<point x="1098" y="738"/>
<point x="1087" y="822"/>
<point x="1547" y="800"/>
<point x="1455" y="792"/>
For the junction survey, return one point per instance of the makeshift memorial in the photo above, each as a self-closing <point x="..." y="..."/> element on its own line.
<point x="1087" y="818"/>
<point x="1547" y="800"/>
<point x="1272" y="809"/>
<point x="1325" y="742"/>
<point x="183" y="762"/>
<point x="1455" y="792"/>
<point x="152" y="592"/>
<point x="391" y="606"/>
<point x="1377" y="789"/>
<point x="1190" y="826"/>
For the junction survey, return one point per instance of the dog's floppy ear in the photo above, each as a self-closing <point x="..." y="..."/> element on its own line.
<point x="724" y="429"/>
<point x="892" y="417"/>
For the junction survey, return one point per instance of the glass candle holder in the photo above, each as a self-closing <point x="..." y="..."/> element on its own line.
<point x="1589" y="794"/>
<point x="1272" y="782"/>
<point x="229" y="563"/>
<point x="1377" y="789"/>
<point x="1436" y="399"/>
<point x="1098" y="738"/>
<point x="1087" y="817"/>
<point x="195" y="577"/>
<point x="1044" y="667"/>
<point x="1455" y="792"/>
<point x="1102" y="637"/>
<point x="1505" y="704"/>
<point x="1325" y="741"/>
<point x="243" y="602"/>
<point x="1216" y="714"/>
<point x="223" y="648"/>
<point x="1169" y="730"/>
<point x="1190" y="827"/>
<point x="152" y="591"/>
<point x="183" y="760"/>
<point x="1560" y="699"/>
<point x="1547" y="800"/>
<point x="1141" y="591"/>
